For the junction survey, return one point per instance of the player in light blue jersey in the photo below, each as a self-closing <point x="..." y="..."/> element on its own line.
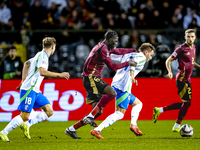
<point x="122" y="83"/>
<point x="34" y="71"/>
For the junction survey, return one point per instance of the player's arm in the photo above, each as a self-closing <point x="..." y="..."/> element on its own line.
<point x="115" y="66"/>
<point x="168" y="66"/>
<point x="132" y="77"/>
<point x="24" y="72"/>
<point x="121" y="51"/>
<point x="44" y="72"/>
<point x="196" y="65"/>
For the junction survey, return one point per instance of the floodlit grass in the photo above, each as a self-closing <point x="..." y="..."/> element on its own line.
<point x="50" y="135"/>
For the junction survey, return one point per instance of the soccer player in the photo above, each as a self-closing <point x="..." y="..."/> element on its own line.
<point x="185" y="54"/>
<point x="33" y="73"/>
<point x="122" y="83"/>
<point x="94" y="85"/>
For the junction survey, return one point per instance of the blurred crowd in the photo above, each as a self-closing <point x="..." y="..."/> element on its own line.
<point x="99" y="14"/>
<point x="166" y="21"/>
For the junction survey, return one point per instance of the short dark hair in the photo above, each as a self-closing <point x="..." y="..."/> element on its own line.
<point x="146" y="46"/>
<point x="12" y="47"/>
<point x="48" y="41"/>
<point x="189" y="31"/>
<point x="109" y="34"/>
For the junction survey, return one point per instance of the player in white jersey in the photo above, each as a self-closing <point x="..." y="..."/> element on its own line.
<point x="33" y="73"/>
<point x="122" y="83"/>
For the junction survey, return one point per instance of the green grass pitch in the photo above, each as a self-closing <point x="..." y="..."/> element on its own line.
<point x="51" y="136"/>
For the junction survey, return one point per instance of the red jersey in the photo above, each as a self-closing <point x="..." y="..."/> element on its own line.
<point x="99" y="56"/>
<point x="186" y="57"/>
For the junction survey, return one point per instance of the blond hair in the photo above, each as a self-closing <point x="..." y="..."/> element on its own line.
<point x="47" y="42"/>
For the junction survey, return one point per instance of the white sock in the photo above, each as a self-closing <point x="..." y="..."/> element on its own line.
<point x="72" y="128"/>
<point x="161" y="110"/>
<point x="41" y="116"/>
<point x="15" y="122"/>
<point x="176" y="125"/>
<point x="110" y="120"/>
<point x="135" y="113"/>
<point x="90" y="115"/>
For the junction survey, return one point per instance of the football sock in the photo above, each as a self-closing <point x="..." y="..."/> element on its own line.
<point x="76" y="125"/>
<point x="110" y="120"/>
<point x="41" y="116"/>
<point x="161" y="110"/>
<point x="135" y="113"/>
<point x="172" y="106"/>
<point x="72" y="128"/>
<point x="183" y="111"/>
<point x="15" y="122"/>
<point x="102" y="103"/>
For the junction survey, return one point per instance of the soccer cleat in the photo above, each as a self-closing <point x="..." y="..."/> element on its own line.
<point x="72" y="134"/>
<point x="89" y="120"/>
<point x="174" y="129"/>
<point x="4" y="137"/>
<point x="136" y="130"/>
<point x="156" y="113"/>
<point x="97" y="134"/>
<point x="25" y="129"/>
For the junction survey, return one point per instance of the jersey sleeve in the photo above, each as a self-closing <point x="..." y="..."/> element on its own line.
<point x="42" y="61"/>
<point x="116" y="57"/>
<point x="176" y="53"/>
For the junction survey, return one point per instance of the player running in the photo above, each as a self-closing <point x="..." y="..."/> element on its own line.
<point x="33" y="73"/>
<point x="185" y="54"/>
<point x="122" y="83"/>
<point x="94" y="85"/>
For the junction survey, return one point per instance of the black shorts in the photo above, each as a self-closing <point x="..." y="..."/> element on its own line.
<point x="94" y="88"/>
<point x="184" y="90"/>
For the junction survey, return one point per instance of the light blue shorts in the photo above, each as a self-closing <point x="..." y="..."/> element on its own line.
<point x="123" y="98"/>
<point x="30" y="100"/>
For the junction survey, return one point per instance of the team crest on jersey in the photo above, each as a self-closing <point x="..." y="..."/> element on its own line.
<point x="26" y="107"/>
<point x="107" y="54"/>
<point x="188" y="53"/>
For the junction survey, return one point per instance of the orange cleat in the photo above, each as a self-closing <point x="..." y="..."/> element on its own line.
<point x="97" y="134"/>
<point x="136" y="130"/>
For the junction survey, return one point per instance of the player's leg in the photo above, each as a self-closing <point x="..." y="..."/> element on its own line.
<point x="92" y="98"/>
<point x="15" y="122"/>
<point x="137" y="106"/>
<point x="27" y="99"/>
<point x="122" y="101"/>
<point x="110" y="95"/>
<point x="182" y="87"/>
<point x="99" y="87"/>
<point x="185" y="93"/>
<point x="40" y="102"/>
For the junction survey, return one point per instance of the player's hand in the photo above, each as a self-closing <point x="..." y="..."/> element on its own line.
<point x="64" y="75"/>
<point x="170" y="75"/>
<point x="134" y="81"/>
<point x="132" y="63"/>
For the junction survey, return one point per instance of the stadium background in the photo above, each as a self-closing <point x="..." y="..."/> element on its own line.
<point x="77" y="26"/>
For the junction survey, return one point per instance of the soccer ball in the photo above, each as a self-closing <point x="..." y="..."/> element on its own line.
<point x="186" y="130"/>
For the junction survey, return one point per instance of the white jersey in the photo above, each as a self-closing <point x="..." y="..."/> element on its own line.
<point x="122" y="79"/>
<point x="34" y="79"/>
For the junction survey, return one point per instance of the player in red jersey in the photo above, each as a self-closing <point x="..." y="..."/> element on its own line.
<point x="185" y="54"/>
<point x="99" y="93"/>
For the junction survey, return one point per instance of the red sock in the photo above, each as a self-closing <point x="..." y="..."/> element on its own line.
<point x="183" y="111"/>
<point x="102" y="103"/>
<point x="78" y="124"/>
<point x="172" y="106"/>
